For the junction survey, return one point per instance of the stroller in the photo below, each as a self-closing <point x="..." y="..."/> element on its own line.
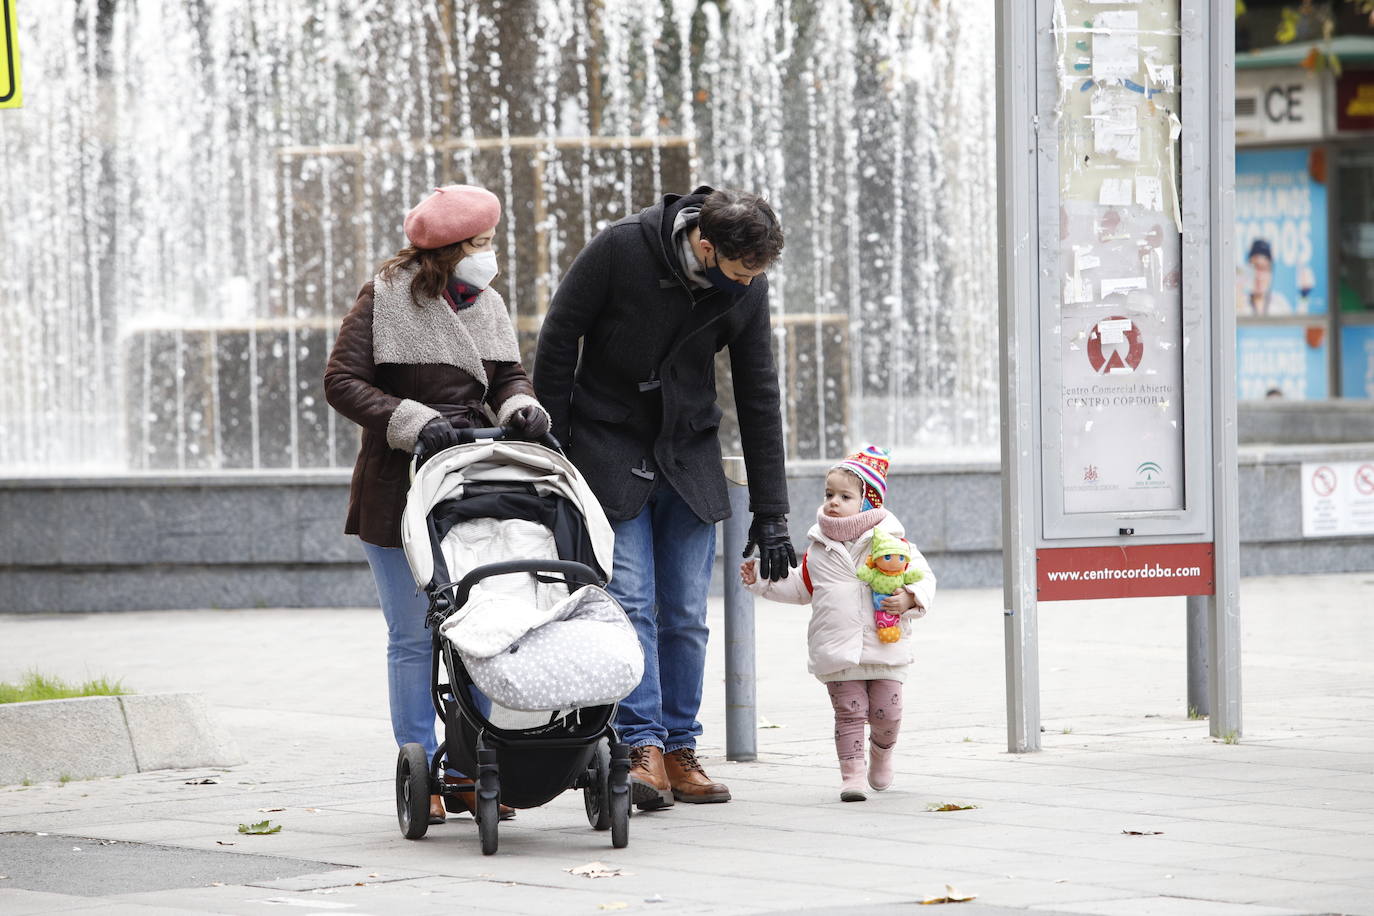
<point x="511" y="548"/>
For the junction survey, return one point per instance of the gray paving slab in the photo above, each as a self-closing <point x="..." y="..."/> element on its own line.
<point x="1279" y="823"/>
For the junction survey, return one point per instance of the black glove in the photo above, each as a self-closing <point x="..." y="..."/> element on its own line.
<point x="529" y="423"/>
<point x="436" y="435"/>
<point x="776" y="555"/>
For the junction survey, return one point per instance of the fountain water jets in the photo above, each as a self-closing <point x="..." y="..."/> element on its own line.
<point x="199" y="187"/>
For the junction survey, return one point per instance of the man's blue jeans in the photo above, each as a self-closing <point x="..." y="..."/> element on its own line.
<point x="661" y="574"/>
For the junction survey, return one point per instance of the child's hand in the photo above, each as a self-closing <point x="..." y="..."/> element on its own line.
<point x="902" y="600"/>
<point x="746" y="572"/>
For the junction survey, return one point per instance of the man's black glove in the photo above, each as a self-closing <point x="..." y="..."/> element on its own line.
<point x="437" y="435"/>
<point x="529" y="423"/>
<point x="776" y="555"/>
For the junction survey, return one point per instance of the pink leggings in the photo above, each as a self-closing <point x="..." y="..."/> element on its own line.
<point x="878" y="702"/>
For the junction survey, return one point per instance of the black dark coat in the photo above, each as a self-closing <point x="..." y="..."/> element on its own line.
<point x="640" y="401"/>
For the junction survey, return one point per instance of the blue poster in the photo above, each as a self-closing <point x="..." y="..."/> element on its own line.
<point x="1280" y="362"/>
<point x="1280" y="234"/>
<point x="1357" y="361"/>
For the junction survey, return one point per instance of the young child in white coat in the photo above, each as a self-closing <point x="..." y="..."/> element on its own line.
<point x="862" y="673"/>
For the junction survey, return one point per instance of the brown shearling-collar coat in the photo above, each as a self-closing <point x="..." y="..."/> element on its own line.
<point x="395" y="366"/>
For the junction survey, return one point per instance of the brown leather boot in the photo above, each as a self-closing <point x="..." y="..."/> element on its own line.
<point x="649" y="787"/>
<point x="690" y="782"/>
<point x="463" y="801"/>
<point x="436" y="810"/>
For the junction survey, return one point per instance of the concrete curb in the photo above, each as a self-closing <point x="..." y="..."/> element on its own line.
<point x="81" y="738"/>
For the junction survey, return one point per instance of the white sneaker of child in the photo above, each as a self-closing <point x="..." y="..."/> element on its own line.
<point x="880" y="766"/>
<point x="852" y="776"/>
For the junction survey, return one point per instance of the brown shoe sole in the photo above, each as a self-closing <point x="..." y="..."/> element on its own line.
<point x="647" y="798"/>
<point x="700" y="799"/>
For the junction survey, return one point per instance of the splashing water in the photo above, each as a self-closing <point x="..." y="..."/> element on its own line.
<point x="196" y="189"/>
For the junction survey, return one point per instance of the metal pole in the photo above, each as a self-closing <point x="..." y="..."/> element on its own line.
<point x="1223" y="607"/>
<point x="1197" y="657"/>
<point x="741" y="714"/>
<point x="1016" y="146"/>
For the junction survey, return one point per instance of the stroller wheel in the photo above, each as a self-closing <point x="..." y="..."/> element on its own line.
<point x="618" y="796"/>
<point x="487" y="800"/>
<point x="596" y="793"/>
<point x="412" y="791"/>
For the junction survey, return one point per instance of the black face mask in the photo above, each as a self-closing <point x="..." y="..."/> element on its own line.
<point x="732" y="288"/>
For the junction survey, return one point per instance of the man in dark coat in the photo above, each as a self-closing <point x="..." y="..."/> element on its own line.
<point x="650" y="301"/>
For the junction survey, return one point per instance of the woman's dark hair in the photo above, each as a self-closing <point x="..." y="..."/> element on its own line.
<point x="742" y="227"/>
<point x="432" y="268"/>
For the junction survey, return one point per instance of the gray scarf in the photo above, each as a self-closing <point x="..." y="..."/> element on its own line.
<point x="692" y="269"/>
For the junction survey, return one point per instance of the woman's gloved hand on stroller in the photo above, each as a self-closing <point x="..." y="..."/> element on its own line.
<point x="435" y="436"/>
<point x="529" y="423"/>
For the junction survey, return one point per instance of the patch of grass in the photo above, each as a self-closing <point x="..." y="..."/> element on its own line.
<point x="1230" y="738"/>
<point x="968" y="740"/>
<point x="26" y="781"/>
<point x="64" y="778"/>
<point x="1068" y="730"/>
<point x="1194" y="714"/>
<point x="35" y="686"/>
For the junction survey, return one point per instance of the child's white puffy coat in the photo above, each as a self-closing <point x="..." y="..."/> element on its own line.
<point x="842" y="634"/>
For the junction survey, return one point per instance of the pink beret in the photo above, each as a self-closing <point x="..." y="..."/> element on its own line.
<point x="451" y="214"/>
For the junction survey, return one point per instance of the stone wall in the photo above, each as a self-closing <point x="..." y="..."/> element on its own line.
<point x="273" y="539"/>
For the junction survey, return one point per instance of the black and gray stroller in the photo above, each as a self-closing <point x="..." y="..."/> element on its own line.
<point x="511" y="546"/>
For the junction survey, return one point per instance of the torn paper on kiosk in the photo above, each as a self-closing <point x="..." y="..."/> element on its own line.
<point x="1116" y="45"/>
<point x="1116" y="126"/>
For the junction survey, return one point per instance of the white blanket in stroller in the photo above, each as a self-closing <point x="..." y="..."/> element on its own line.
<point x="529" y="645"/>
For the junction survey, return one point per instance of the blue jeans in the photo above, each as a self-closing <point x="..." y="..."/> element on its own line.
<point x="661" y="573"/>
<point x="408" y="649"/>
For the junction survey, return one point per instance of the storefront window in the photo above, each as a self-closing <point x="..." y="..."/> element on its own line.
<point x="1355" y="275"/>
<point x="1281" y="273"/>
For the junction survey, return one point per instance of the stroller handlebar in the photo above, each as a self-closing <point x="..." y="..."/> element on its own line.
<point x="571" y="570"/>
<point x="467" y="435"/>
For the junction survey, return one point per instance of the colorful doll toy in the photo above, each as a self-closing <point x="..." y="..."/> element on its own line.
<point x="886" y="571"/>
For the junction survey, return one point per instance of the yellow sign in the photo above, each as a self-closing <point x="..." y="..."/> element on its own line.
<point x="11" y="88"/>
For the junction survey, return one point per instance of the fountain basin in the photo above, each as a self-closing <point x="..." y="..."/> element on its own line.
<point x="274" y="538"/>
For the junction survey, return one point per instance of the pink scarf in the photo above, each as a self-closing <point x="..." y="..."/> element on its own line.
<point x="851" y="526"/>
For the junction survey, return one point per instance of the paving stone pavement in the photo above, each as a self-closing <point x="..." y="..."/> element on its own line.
<point x="1281" y="822"/>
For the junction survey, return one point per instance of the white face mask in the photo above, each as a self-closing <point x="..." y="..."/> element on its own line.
<point x="477" y="270"/>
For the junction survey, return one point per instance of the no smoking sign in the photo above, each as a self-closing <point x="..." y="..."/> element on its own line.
<point x="1338" y="499"/>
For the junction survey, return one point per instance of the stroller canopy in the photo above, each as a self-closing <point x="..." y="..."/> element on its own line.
<point x="450" y="472"/>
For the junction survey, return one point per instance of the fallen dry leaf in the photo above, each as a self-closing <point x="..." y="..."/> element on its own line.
<point x="949" y="806"/>
<point x="223" y="843"/>
<point x="262" y="827"/>
<point x="1143" y="832"/>
<point x="597" y="870"/>
<point x="615" y="905"/>
<point x="951" y="896"/>
<point x="216" y="884"/>
<point x="207" y="781"/>
<point x="375" y="875"/>
<point x="270" y="810"/>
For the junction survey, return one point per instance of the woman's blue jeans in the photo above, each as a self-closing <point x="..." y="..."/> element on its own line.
<point x="408" y="649"/>
<point x="661" y="574"/>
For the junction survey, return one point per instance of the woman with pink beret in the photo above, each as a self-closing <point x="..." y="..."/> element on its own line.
<point x="428" y="348"/>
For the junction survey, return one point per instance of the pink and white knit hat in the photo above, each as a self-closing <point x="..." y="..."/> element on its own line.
<point x="870" y="465"/>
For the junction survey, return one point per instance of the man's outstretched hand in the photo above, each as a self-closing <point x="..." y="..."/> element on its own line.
<point x="776" y="556"/>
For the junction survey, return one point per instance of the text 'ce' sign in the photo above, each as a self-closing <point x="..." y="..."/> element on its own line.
<point x="11" y="92"/>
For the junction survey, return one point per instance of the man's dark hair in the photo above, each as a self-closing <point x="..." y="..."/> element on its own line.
<point x="742" y="227"/>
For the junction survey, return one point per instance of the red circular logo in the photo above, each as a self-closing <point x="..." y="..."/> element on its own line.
<point x="1122" y="349"/>
<point x="1364" y="479"/>
<point x="1324" y="481"/>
